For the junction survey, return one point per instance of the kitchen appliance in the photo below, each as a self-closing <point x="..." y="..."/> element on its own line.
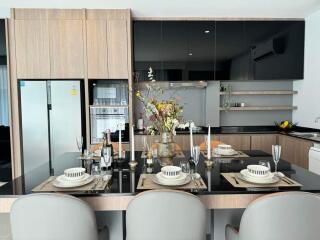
<point x="51" y="119"/>
<point x="314" y="160"/>
<point x="109" y="109"/>
<point x="107" y="117"/>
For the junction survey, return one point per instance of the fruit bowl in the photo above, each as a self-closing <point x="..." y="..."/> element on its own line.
<point x="285" y="125"/>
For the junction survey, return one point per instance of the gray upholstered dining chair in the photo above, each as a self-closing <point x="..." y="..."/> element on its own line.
<point x="52" y="216"/>
<point x="165" y="214"/>
<point x="291" y="215"/>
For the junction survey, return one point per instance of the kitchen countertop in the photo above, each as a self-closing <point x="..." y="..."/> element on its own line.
<point x="245" y="130"/>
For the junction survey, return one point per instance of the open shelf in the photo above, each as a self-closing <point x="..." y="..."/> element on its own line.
<point x="260" y="108"/>
<point x="264" y="92"/>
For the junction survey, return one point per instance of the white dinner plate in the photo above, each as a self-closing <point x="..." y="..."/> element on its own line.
<point x="158" y="179"/>
<point x="270" y="179"/>
<point x="61" y="183"/>
<point x="225" y="153"/>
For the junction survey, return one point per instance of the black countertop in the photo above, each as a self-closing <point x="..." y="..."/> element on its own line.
<point x="129" y="179"/>
<point x="244" y="130"/>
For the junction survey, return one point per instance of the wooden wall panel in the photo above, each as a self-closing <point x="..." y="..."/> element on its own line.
<point x="32" y="49"/>
<point x="66" y="49"/>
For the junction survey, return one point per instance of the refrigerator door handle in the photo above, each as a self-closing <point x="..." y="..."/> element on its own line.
<point x="51" y="149"/>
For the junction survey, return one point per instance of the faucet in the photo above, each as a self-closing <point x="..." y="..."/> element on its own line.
<point x="317" y="120"/>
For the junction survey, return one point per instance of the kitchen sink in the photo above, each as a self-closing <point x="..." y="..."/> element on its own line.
<point x="307" y="135"/>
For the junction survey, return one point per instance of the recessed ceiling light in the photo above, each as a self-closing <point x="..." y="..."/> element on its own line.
<point x="206" y="31"/>
<point x="190" y="54"/>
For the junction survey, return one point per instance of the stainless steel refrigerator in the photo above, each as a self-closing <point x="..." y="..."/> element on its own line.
<point x="51" y="117"/>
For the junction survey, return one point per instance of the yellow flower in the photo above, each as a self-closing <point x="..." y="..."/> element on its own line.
<point x="138" y="94"/>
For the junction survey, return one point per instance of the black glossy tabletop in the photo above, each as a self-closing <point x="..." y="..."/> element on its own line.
<point x="124" y="181"/>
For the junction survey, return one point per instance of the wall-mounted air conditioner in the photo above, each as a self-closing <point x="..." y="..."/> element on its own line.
<point x="271" y="47"/>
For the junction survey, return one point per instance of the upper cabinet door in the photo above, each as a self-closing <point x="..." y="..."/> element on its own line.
<point x="97" y="53"/>
<point x="276" y="49"/>
<point x="147" y="49"/>
<point x="117" y="48"/>
<point x="232" y="55"/>
<point x="200" y="54"/>
<point x="66" y="48"/>
<point x="32" y="49"/>
<point x="176" y="50"/>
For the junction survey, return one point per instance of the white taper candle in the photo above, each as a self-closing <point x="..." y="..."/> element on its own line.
<point x="209" y="143"/>
<point x="132" y="143"/>
<point x="191" y="139"/>
<point x="120" y="145"/>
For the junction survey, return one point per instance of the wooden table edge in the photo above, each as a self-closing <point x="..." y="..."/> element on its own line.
<point x="120" y="203"/>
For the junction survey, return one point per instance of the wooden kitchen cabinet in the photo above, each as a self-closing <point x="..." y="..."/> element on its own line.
<point x="32" y="49"/>
<point x="66" y="48"/>
<point x="108" y="38"/>
<point x="117" y="42"/>
<point x="263" y="142"/>
<point x="295" y="150"/>
<point x="97" y="53"/>
<point x="237" y="141"/>
<point x="49" y="43"/>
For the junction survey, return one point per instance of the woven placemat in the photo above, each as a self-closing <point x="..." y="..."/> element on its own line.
<point x="235" y="181"/>
<point x="179" y="154"/>
<point x="96" y="185"/>
<point x="146" y="183"/>
<point x="239" y="155"/>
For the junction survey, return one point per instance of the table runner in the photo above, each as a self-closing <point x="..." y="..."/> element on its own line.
<point x="235" y="181"/>
<point x="47" y="186"/>
<point x="148" y="184"/>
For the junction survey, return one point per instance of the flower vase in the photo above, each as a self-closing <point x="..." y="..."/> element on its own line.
<point x="166" y="149"/>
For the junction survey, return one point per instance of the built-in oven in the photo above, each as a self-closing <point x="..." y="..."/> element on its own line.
<point x="109" y="109"/>
<point x="108" y="117"/>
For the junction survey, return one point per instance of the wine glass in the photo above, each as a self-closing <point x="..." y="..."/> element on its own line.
<point x="196" y="156"/>
<point x="276" y="153"/>
<point x="79" y="144"/>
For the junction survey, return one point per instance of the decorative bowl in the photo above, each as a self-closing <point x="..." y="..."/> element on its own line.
<point x="74" y="174"/>
<point x="171" y="171"/>
<point x="258" y="170"/>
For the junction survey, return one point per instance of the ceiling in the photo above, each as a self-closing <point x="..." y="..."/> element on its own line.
<point x="182" y="8"/>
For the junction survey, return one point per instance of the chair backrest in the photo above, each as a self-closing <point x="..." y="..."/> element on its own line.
<point x="292" y="215"/>
<point x="52" y="216"/>
<point x="169" y="215"/>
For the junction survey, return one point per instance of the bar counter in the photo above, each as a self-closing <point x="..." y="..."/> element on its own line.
<point x="220" y="194"/>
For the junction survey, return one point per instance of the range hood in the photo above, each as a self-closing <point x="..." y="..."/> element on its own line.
<point x="174" y="84"/>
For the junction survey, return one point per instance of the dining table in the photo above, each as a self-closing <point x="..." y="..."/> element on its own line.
<point x="218" y="193"/>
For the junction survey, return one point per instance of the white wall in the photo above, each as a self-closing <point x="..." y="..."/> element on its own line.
<point x="179" y="8"/>
<point x="308" y="97"/>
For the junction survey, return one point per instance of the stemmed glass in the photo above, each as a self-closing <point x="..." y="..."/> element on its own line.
<point x="196" y="156"/>
<point x="276" y="153"/>
<point x="80" y="144"/>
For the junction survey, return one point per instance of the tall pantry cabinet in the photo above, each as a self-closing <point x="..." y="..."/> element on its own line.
<point x="67" y="44"/>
